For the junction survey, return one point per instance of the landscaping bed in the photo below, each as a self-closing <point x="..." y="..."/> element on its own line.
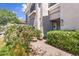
<point x="65" y="40"/>
<point x="17" y="40"/>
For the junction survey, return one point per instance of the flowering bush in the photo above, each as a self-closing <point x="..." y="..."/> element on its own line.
<point x="18" y="38"/>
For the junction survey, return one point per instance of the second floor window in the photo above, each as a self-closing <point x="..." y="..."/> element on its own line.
<point x="32" y="7"/>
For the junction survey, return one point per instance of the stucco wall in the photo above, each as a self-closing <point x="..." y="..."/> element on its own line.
<point x="46" y="24"/>
<point x="54" y="15"/>
<point x="70" y="15"/>
<point x="54" y="12"/>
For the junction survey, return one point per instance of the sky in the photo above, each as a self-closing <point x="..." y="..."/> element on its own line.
<point x="18" y="8"/>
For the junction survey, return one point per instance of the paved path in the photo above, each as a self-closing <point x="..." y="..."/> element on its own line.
<point x="48" y="50"/>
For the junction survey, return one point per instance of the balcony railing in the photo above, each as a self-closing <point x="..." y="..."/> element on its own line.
<point x="51" y="4"/>
<point x="33" y="12"/>
<point x="54" y="7"/>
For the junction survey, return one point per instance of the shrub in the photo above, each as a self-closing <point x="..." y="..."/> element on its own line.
<point x="18" y="38"/>
<point x="66" y="40"/>
<point x="1" y="28"/>
<point x="4" y="51"/>
<point x="37" y="33"/>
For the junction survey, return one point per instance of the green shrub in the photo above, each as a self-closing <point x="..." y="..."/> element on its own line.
<point x="37" y="33"/>
<point x="1" y="28"/>
<point x="18" y="38"/>
<point x="4" y="51"/>
<point x="66" y="40"/>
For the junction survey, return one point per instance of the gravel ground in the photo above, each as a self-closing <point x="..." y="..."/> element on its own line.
<point x="40" y="48"/>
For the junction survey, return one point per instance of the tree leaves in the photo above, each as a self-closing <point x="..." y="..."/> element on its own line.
<point x="7" y="16"/>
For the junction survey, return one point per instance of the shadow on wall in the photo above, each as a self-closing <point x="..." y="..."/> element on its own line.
<point x="31" y="22"/>
<point x="47" y="25"/>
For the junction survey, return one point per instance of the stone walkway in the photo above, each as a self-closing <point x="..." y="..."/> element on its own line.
<point x="43" y="49"/>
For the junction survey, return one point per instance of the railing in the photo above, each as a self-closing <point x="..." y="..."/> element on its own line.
<point x="55" y="6"/>
<point x="34" y="11"/>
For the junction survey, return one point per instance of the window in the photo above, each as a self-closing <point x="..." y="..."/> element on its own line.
<point x="32" y="7"/>
<point x="56" y="24"/>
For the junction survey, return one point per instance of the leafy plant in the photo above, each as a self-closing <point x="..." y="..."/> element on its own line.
<point x="66" y="40"/>
<point x="18" y="38"/>
<point x="37" y="33"/>
<point x="7" y="16"/>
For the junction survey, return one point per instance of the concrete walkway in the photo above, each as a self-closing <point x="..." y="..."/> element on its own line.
<point x="44" y="49"/>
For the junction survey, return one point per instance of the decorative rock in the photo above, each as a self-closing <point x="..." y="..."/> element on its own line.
<point x="34" y="39"/>
<point x="37" y="51"/>
<point x="30" y="46"/>
<point x="40" y="38"/>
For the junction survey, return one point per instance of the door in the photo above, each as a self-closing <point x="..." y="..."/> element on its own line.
<point x="56" y="24"/>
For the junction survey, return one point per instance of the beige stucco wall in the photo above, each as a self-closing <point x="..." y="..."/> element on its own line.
<point x="54" y="15"/>
<point x="45" y="22"/>
<point x="70" y="14"/>
<point x="54" y="12"/>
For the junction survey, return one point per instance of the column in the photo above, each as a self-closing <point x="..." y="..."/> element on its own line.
<point x="45" y="18"/>
<point x="38" y="16"/>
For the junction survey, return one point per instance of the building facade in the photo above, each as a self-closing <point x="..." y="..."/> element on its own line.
<point x="53" y="16"/>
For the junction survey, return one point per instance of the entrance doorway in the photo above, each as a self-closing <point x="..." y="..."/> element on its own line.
<point x="56" y="24"/>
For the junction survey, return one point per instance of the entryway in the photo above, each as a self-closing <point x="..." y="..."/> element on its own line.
<point x="56" y="24"/>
